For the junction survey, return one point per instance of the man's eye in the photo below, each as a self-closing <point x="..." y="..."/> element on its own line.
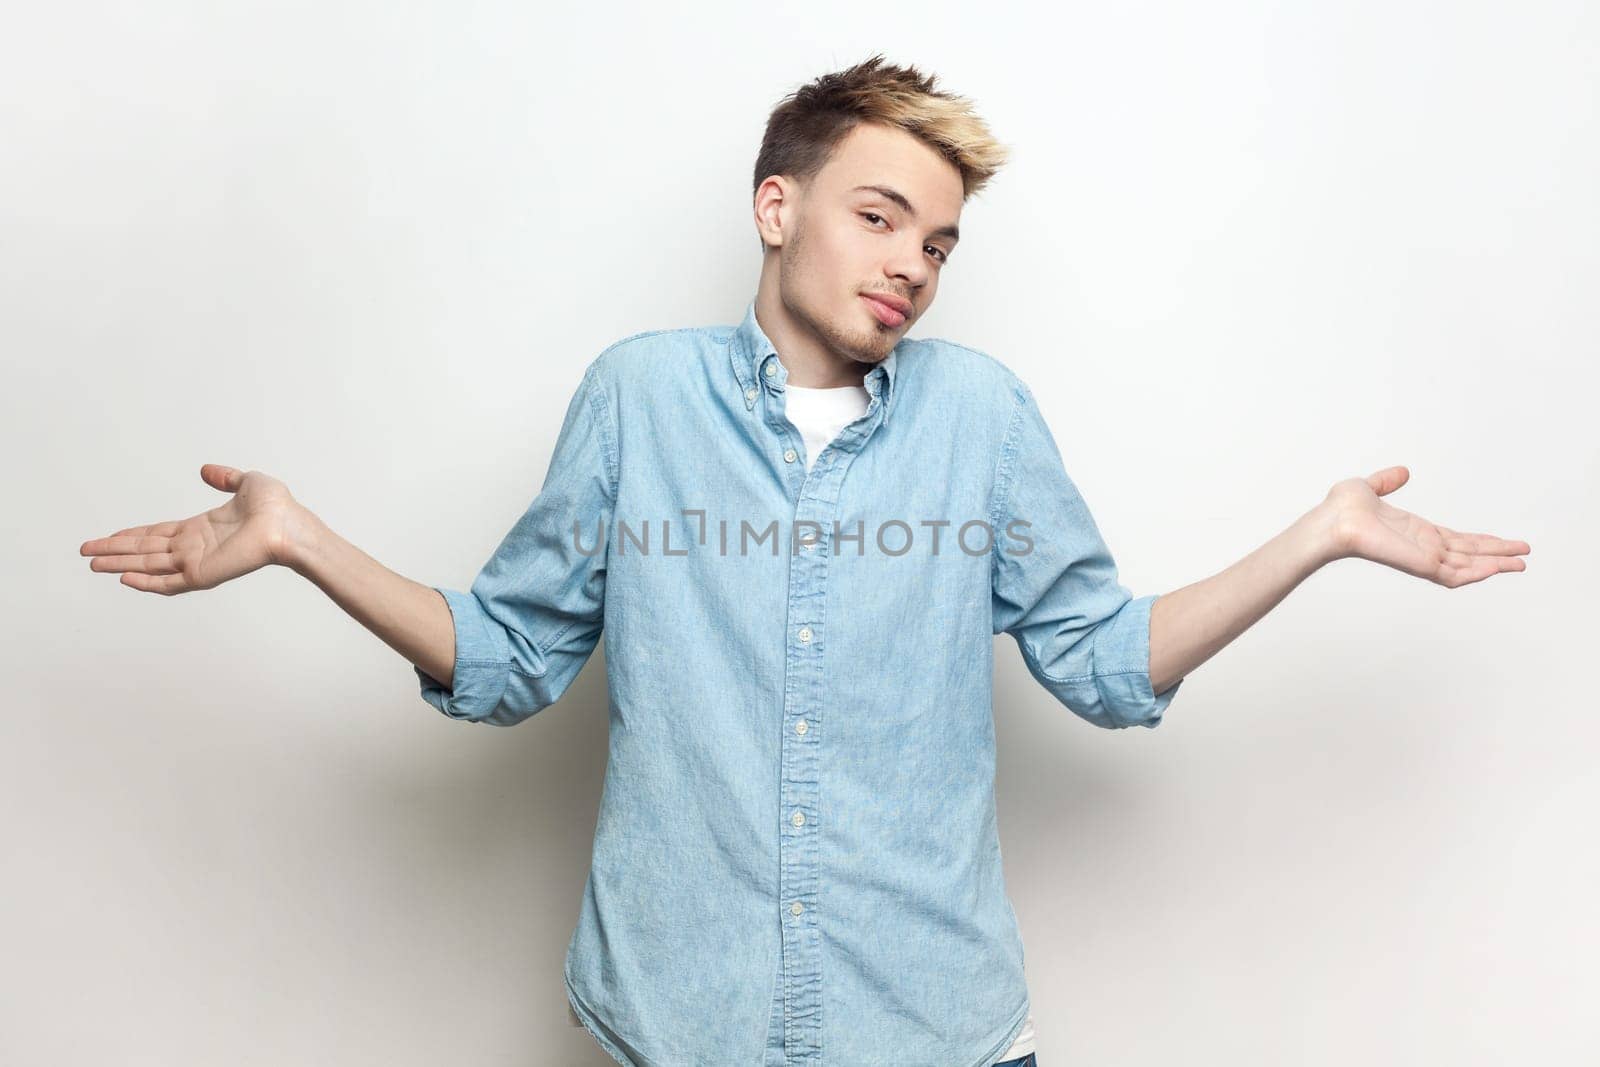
<point x="869" y="215"/>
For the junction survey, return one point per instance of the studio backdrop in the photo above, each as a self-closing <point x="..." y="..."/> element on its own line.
<point x="1242" y="251"/>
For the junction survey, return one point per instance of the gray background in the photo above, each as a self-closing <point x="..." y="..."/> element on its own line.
<point x="1243" y="251"/>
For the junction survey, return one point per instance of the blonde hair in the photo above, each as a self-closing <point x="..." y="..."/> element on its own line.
<point x="806" y="124"/>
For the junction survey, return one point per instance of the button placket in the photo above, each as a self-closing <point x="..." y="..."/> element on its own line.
<point x="815" y="491"/>
<point x="778" y="420"/>
<point x="817" y="497"/>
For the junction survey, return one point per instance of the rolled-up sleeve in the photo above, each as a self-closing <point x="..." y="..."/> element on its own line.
<point x="1083" y="635"/>
<point x="536" y="609"/>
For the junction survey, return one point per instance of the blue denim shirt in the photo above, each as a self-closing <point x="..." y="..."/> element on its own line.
<point x="797" y="846"/>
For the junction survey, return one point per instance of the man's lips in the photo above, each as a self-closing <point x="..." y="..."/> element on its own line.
<point x="891" y="310"/>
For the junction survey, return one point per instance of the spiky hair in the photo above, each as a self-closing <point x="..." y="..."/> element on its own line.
<point x="806" y="124"/>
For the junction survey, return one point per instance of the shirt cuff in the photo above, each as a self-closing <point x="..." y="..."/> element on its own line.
<point x="1122" y="668"/>
<point x="482" y="663"/>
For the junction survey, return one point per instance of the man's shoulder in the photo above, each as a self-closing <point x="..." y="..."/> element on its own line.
<point x="649" y="352"/>
<point x="966" y="368"/>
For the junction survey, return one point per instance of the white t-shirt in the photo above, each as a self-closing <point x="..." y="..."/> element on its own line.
<point x="819" y="415"/>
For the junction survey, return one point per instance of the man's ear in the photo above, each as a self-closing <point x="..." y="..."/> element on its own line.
<point x="776" y="200"/>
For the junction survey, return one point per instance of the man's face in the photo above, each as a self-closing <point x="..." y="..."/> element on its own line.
<point x="846" y="241"/>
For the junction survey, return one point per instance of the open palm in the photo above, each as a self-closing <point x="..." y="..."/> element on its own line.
<point x="243" y="534"/>
<point x="1369" y="528"/>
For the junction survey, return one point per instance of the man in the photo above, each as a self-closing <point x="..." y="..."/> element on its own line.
<point x="800" y="535"/>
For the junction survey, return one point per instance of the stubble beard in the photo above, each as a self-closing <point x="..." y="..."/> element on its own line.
<point x="870" y="346"/>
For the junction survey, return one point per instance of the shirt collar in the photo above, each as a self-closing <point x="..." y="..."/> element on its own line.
<point x="753" y="354"/>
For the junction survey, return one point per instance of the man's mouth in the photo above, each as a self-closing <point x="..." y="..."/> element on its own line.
<point x="886" y="309"/>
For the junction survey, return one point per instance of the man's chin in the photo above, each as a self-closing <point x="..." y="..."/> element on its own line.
<point x="870" y="354"/>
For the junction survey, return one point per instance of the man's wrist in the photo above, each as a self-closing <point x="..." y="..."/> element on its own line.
<point x="303" y="536"/>
<point x="1320" y="536"/>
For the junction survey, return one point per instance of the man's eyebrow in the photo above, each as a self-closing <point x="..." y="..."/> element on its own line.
<point x="894" y="196"/>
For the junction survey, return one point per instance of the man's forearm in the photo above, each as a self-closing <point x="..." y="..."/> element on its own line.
<point x="411" y="618"/>
<point x="1190" y="625"/>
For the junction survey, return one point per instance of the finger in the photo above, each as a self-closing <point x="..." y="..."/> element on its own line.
<point x="164" y="529"/>
<point x="1478" y="565"/>
<point x="1479" y="568"/>
<point x="1482" y="544"/>
<point x="125" y="545"/>
<point x="155" y="529"/>
<point x="165" y="584"/>
<point x="148" y="563"/>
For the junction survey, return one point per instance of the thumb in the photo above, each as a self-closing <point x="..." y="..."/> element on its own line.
<point x="1388" y="480"/>
<point x="219" y="476"/>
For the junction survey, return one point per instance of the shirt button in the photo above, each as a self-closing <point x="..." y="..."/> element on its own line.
<point x="798" y="818"/>
<point x="772" y="368"/>
<point x="800" y="727"/>
<point x="788" y="455"/>
<point x="805" y="633"/>
<point x="796" y="908"/>
<point x="750" y="393"/>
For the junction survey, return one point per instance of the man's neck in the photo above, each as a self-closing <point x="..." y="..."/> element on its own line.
<point x="809" y="363"/>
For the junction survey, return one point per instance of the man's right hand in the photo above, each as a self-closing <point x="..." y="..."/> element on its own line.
<point x="252" y="529"/>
